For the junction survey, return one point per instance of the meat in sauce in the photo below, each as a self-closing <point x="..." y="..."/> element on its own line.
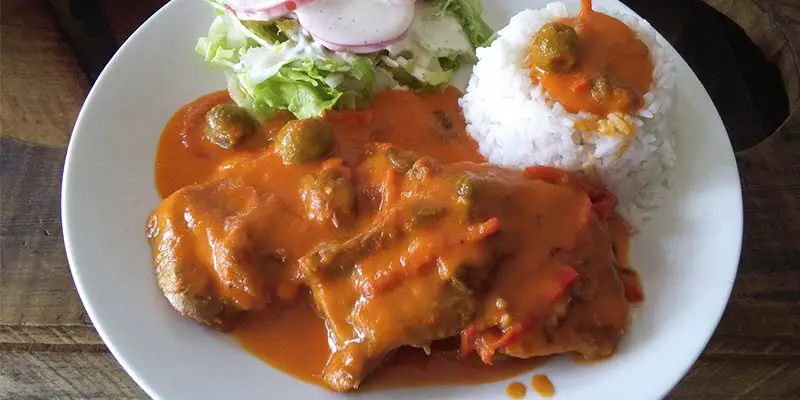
<point x="392" y="238"/>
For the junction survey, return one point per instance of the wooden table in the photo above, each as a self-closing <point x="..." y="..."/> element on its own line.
<point x="48" y="348"/>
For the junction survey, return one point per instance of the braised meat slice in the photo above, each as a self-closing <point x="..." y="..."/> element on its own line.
<point x="412" y="276"/>
<point x="211" y="251"/>
<point x="596" y="316"/>
<point x="398" y="250"/>
<point x="574" y="299"/>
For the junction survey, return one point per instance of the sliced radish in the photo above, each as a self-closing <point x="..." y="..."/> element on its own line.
<point x="262" y="10"/>
<point x="356" y="22"/>
<point x="360" y="48"/>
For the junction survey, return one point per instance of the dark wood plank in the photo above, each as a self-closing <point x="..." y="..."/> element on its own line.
<point x="37" y="285"/>
<point x="53" y="338"/>
<point x="42" y="86"/>
<point x="734" y="379"/>
<point x="126" y="16"/>
<point x="46" y="375"/>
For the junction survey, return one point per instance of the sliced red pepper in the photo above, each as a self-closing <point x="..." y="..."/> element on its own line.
<point x="511" y="335"/>
<point x="485" y="351"/>
<point x="486" y="343"/>
<point x="467" y="342"/>
<point x="547" y="174"/>
<point x="478" y="232"/>
<point x="569" y="275"/>
<point x="605" y="207"/>
<point x="603" y="200"/>
<point x="580" y="85"/>
<point x="633" y="293"/>
<point x="632" y="286"/>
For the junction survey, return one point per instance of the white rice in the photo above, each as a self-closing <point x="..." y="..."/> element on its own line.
<point x="515" y="126"/>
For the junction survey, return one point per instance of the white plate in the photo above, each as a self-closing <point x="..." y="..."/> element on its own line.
<point x="687" y="254"/>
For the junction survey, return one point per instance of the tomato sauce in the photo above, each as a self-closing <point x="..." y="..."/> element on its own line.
<point x="291" y="336"/>
<point x="607" y="46"/>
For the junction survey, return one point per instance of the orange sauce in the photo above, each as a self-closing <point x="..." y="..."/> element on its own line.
<point x="264" y="334"/>
<point x="541" y="384"/>
<point x="185" y="157"/>
<point x="292" y="337"/>
<point x="412" y="367"/>
<point x="516" y="390"/>
<point x="607" y="46"/>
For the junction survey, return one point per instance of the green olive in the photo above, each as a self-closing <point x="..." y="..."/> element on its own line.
<point x="555" y="48"/>
<point x="305" y="140"/>
<point x="228" y="125"/>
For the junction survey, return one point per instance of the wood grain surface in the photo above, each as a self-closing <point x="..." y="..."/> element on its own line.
<point x="48" y="348"/>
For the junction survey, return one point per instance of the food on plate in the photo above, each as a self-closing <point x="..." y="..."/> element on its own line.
<point x="542" y="386"/>
<point x="591" y="90"/>
<point x="364" y="228"/>
<point x="304" y="140"/>
<point x="228" y="125"/>
<point x="383" y="230"/>
<point x="555" y="48"/>
<point x="312" y="55"/>
<point x="516" y="390"/>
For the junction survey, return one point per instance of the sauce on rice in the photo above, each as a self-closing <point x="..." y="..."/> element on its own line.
<point x="608" y="70"/>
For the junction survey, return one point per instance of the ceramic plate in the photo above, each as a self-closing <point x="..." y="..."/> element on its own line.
<point x="687" y="254"/>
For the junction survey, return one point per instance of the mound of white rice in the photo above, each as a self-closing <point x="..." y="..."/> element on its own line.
<point x="516" y="125"/>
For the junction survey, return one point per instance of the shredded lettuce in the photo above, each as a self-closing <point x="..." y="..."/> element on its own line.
<point x="468" y="13"/>
<point x="276" y="65"/>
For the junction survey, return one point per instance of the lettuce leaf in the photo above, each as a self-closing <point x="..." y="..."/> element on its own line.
<point x="468" y="13"/>
<point x="302" y="86"/>
<point x="271" y="66"/>
<point x="276" y="65"/>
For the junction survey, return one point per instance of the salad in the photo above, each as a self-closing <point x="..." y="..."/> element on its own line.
<point x="306" y="56"/>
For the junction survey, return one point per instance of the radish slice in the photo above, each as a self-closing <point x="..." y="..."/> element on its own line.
<point x="356" y="22"/>
<point x="262" y="10"/>
<point x="360" y="49"/>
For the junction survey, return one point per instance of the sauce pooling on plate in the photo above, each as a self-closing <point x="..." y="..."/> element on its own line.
<point x="541" y="384"/>
<point x="516" y="390"/>
<point x="593" y="63"/>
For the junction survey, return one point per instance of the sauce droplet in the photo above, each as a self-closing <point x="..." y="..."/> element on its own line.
<point x="516" y="390"/>
<point x="541" y="384"/>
